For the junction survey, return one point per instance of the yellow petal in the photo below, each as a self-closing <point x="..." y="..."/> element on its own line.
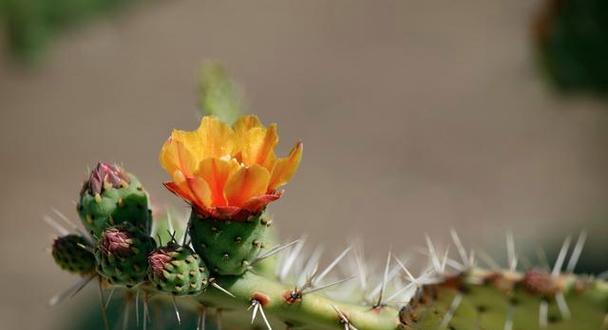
<point x="215" y="137"/>
<point x="258" y="148"/>
<point x="216" y="172"/>
<point x="245" y="183"/>
<point x="175" y="156"/>
<point x="285" y="168"/>
<point x="245" y="123"/>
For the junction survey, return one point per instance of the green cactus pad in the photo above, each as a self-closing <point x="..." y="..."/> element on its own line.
<point x="229" y="247"/>
<point x="490" y="306"/>
<point x="112" y="203"/>
<point x="177" y="270"/>
<point x="70" y="254"/>
<point x="122" y="254"/>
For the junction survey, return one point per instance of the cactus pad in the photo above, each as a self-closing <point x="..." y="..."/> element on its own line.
<point x="228" y="247"/>
<point x="110" y="197"/>
<point x="70" y="254"/>
<point x="122" y="254"/>
<point x="177" y="270"/>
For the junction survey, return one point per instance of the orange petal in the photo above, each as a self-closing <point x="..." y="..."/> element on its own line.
<point x="285" y="168"/>
<point x="245" y="123"/>
<point x="246" y="183"/>
<point x="216" y="172"/>
<point x="201" y="191"/>
<point x="259" y="144"/>
<point x="184" y="194"/>
<point x="216" y="138"/>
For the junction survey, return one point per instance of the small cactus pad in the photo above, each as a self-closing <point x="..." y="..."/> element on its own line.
<point x="71" y="254"/>
<point x="228" y="247"/>
<point x="177" y="270"/>
<point x="122" y="254"/>
<point x="110" y="197"/>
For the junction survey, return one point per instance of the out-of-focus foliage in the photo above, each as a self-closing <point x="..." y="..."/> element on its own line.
<point x="29" y="25"/>
<point x="572" y="41"/>
<point x="218" y="95"/>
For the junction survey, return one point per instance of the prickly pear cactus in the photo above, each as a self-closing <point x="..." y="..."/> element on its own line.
<point x="177" y="269"/>
<point x="110" y="197"/>
<point x="122" y="254"/>
<point x="229" y="248"/>
<point x="73" y="253"/>
<point x="221" y="265"/>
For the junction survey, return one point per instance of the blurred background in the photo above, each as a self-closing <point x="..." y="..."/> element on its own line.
<point x="416" y="116"/>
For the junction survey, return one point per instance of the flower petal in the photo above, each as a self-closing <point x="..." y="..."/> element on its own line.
<point x="215" y="137"/>
<point x="175" y="156"/>
<point x="216" y="172"/>
<point x="245" y="123"/>
<point x="259" y="144"/>
<point x="257" y="203"/>
<point x="246" y="183"/>
<point x="285" y="168"/>
<point x="201" y="191"/>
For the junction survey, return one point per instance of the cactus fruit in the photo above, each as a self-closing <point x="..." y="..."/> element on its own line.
<point x="228" y="247"/>
<point x="72" y="253"/>
<point x="178" y="270"/>
<point x="122" y="254"/>
<point x="110" y="197"/>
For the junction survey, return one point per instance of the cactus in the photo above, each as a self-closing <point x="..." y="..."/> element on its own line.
<point x="178" y="270"/>
<point x="229" y="248"/>
<point x="72" y="253"/>
<point x="122" y="254"/>
<point x="110" y="197"/>
<point x="220" y="263"/>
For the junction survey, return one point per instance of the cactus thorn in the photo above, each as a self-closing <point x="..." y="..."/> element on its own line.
<point x="71" y="291"/>
<point x="202" y="318"/>
<point x="177" y="315"/>
<point x="576" y="252"/>
<point x="102" y="306"/>
<point x="217" y="286"/>
<point x="257" y="306"/>
<point x="543" y="311"/>
<point x="273" y="251"/>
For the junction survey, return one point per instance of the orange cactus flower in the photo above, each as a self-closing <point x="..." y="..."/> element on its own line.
<point x="228" y="172"/>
